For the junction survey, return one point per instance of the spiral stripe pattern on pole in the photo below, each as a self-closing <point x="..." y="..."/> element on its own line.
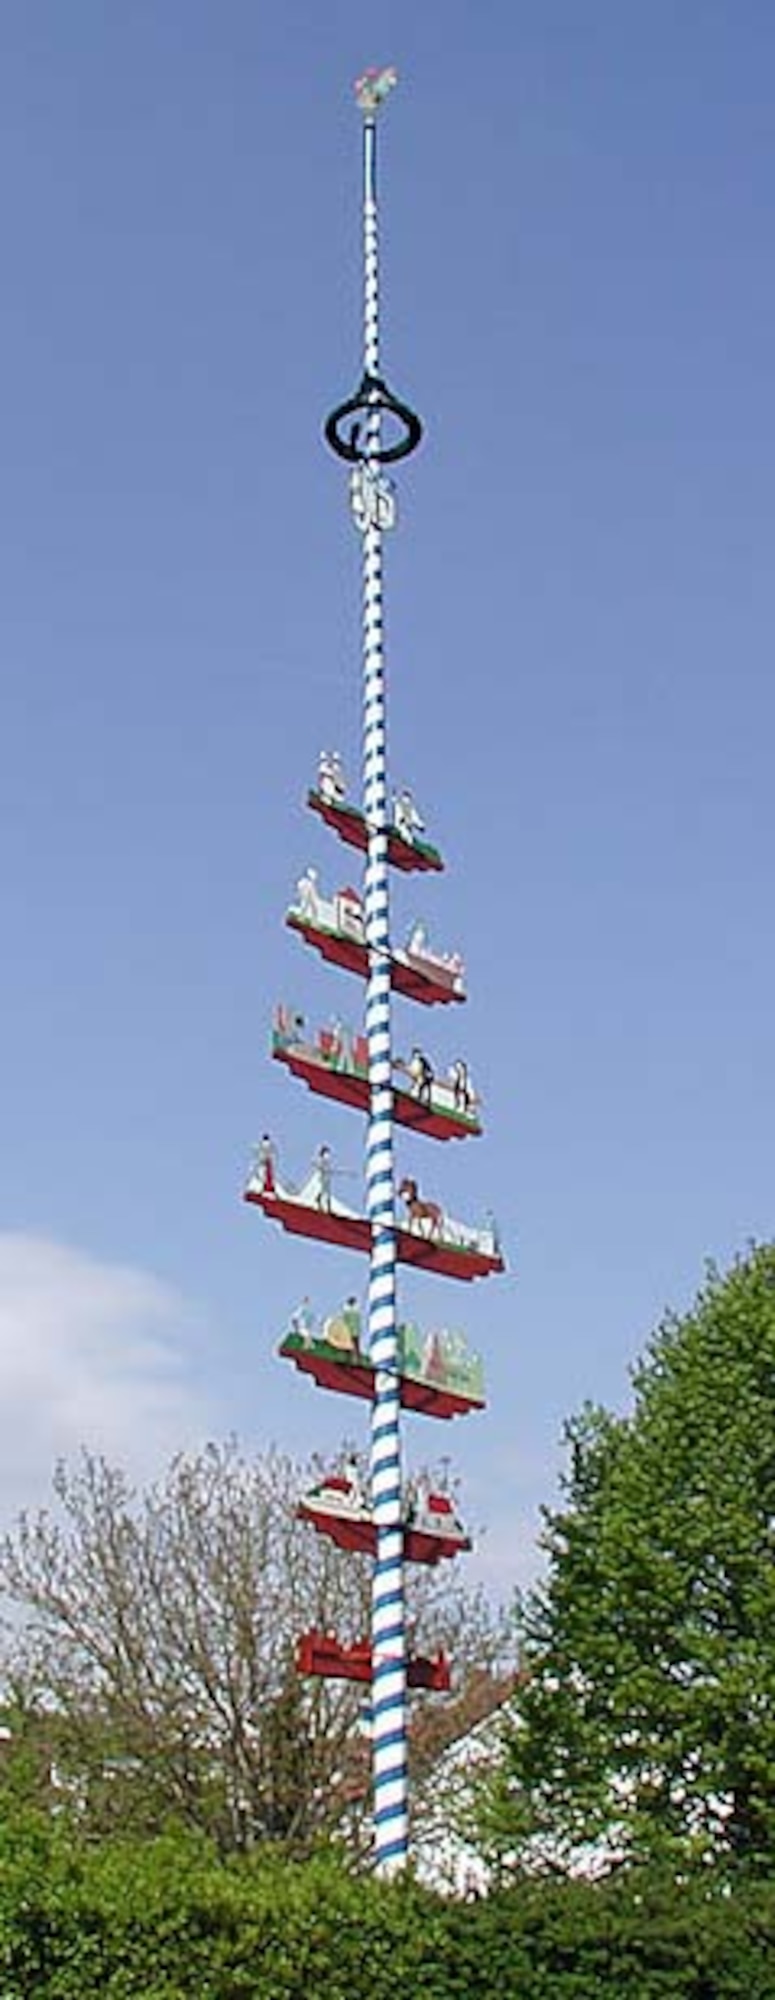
<point x="388" y="1626"/>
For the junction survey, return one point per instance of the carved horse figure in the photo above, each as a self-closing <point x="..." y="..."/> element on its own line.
<point x="426" y="1218"/>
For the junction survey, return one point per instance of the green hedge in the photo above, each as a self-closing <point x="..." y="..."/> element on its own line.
<point x="168" y="1921"/>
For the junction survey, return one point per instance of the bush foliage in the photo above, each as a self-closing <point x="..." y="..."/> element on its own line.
<point x="170" y="1920"/>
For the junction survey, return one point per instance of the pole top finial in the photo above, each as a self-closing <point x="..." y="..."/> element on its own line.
<point x="372" y="88"/>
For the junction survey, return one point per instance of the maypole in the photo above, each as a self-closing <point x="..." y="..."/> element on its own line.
<point x="434" y="1374"/>
<point x="388" y="1633"/>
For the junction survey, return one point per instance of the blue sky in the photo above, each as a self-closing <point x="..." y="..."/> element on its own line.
<point x="579" y="298"/>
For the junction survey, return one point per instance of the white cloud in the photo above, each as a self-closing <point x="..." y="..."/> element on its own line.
<point x="91" y="1354"/>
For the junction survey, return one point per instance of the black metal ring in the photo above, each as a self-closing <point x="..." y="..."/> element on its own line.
<point x="372" y="394"/>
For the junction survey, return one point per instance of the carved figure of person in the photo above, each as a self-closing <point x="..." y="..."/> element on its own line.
<point x="332" y="784"/>
<point x="324" y="1168"/>
<point x="417" y="1495"/>
<point x="308" y="895"/>
<point x="351" y="1471"/>
<point x="351" y="1314"/>
<point x="303" y="1322"/>
<point x="288" y="1024"/>
<point x="463" y="1094"/>
<point x="421" y="1074"/>
<point x="493" y="1232"/>
<point x="406" y="819"/>
<point x="265" y="1164"/>
<point x="342" y="1050"/>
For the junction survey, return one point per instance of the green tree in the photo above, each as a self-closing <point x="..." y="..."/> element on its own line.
<point x="646" y="1720"/>
<point x="149" y="1663"/>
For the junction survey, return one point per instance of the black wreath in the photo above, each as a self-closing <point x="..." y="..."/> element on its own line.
<point x="372" y="394"/>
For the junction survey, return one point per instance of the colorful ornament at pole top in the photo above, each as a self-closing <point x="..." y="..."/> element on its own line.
<point x="373" y="87"/>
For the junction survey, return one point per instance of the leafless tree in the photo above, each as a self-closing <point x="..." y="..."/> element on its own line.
<point x="150" y="1648"/>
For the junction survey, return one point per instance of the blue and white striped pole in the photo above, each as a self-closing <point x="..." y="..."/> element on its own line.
<point x="389" y="1745"/>
<point x="362" y="446"/>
